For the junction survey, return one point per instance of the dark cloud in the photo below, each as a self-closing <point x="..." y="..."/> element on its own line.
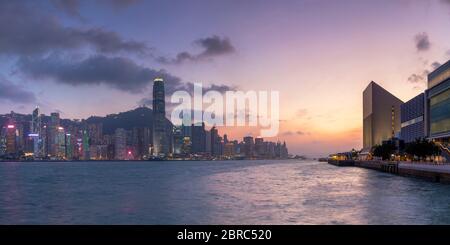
<point x="416" y="78"/>
<point x="422" y="41"/>
<point x="14" y="93"/>
<point x="215" y="46"/>
<point x="28" y="32"/>
<point x="421" y="77"/>
<point x="71" y="7"/>
<point x="435" y="65"/>
<point x="211" y="46"/>
<point x="116" y="72"/>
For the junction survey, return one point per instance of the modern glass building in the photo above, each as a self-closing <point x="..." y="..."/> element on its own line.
<point x="437" y="104"/>
<point x="161" y="142"/>
<point x="381" y="115"/>
<point x="412" y="119"/>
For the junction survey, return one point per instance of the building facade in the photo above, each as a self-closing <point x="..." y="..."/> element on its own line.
<point x="412" y="119"/>
<point x="437" y="104"/>
<point x="381" y="115"/>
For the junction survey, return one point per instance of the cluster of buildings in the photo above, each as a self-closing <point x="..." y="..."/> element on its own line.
<point x="427" y="115"/>
<point x="41" y="137"/>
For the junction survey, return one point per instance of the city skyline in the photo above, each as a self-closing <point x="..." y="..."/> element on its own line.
<point x="144" y="135"/>
<point x="283" y="46"/>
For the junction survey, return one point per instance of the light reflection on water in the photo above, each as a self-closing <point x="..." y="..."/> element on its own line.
<point x="229" y="192"/>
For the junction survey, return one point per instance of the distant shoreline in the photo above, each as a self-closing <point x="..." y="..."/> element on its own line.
<point x="168" y="160"/>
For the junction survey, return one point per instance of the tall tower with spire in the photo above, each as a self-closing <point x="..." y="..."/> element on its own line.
<point x="160" y="140"/>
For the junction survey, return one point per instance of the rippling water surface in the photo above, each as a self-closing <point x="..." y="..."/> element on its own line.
<point x="228" y="192"/>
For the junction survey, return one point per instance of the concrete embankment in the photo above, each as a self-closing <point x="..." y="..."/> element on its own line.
<point x="436" y="173"/>
<point x="427" y="171"/>
<point x="341" y="163"/>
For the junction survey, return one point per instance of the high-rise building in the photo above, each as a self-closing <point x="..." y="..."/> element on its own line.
<point x="95" y="133"/>
<point x="160" y="140"/>
<point x="85" y="145"/>
<point x="381" y="115"/>
<point x="68" y="146"/>
<point x="249" y="146"/>
<point x="11" y="139"/>
<point x="225" y="138"/>
<point x="215" y="142"/>
<point x="120" y="144"/>
<point x="141" y="140"/>
<point x="36" y="133"/>
<point x="229" y="149"/>
<point x="60" y="143"/>
<point x="412" y="119"/>
<point x="35" y="121"/>
<point x="259" y="147"/>
<point x="178" y="139"/>
<point x="208" y="146"/>
<point x="437" y="104"/>
<point x="53" y="139"/>
<point x="284" y="151"/>
<point x="198" y="138"/>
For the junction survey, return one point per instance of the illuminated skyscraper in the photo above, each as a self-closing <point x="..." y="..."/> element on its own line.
<point x="53" y="136"/>
<point x="160" y="139"/>
<point x="36" y="134"/>
<point x="11" y="139"/>
<point x="86" y="148"/>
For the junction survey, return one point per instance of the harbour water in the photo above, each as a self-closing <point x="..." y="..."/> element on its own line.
<point x="218" y="192"/>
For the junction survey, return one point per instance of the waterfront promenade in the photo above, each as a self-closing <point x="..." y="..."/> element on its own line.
<point x="424" y="170"/>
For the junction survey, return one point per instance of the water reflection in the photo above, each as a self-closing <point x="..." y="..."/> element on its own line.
<point x="231" y="192"/>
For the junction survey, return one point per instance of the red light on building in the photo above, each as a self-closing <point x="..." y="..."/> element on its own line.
<point x="11" y="126"/>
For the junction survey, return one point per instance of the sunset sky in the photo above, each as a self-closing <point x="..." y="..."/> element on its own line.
<point x="86" y="58"/>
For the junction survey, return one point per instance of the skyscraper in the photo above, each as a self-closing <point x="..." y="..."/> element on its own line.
<point x="11" y="139"/>
<point x="53" y="143"/>
<point x="215" y="143"/>
<point x="35" y="121"/>
<point x="160" y="140"/>
<point x="36" y="134"/>
<point x="381" y="115"/>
